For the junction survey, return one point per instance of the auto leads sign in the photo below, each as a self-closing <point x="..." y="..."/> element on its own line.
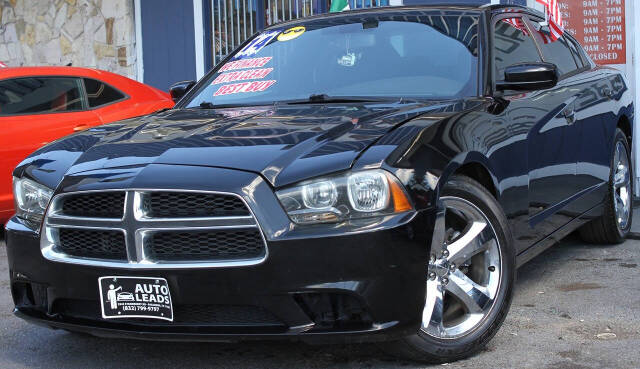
<point x="135" y="297"/>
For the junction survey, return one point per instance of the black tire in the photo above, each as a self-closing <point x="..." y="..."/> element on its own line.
<point x="605" y="229"/>
<point x="425" y="348"/>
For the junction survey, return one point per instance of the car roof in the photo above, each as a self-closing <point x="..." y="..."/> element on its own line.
<point x="121" y="82"/>
<point x="55" y="71"/>
<point x="444" y="6"/>
<point x="44" y="70"/>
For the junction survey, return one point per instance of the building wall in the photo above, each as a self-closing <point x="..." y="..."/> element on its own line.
<point x="163" y="64"/>
<point x="87" y="33"/>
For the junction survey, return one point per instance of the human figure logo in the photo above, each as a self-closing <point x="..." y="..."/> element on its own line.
<point x="111" y="296"/>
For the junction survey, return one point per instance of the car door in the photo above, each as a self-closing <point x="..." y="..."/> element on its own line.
<point x="595" y="111"/>
<point x="573" y="87"/>
<point x="587" y="111"/>
<point x="546" y="127"/>
<point x="33" y="112"/>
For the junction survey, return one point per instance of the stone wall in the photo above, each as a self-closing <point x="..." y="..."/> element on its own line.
<point x="86" y="33"/>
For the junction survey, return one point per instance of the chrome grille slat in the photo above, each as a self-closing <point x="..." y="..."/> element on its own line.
<point x="138" y="227"/>
<point x="179" y="223"/>
<point x="70" y="222"/>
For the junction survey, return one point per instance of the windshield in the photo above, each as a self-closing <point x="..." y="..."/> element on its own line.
<point x="411" y="56"/>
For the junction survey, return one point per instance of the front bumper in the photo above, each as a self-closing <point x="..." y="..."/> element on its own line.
<point x="360" y="287"/>
<point x="359" y="281"/>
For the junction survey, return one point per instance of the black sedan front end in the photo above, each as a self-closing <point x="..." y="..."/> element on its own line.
<point x="235" y="265"/>
<point x="293" y="192"/>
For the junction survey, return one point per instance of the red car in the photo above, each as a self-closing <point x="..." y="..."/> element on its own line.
<point x="41" y="104"/>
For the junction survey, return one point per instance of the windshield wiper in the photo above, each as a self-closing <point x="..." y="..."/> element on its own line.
<point x="207" y="105"/>
<point x="324" y="98"/>
<point x="313" y="99"/>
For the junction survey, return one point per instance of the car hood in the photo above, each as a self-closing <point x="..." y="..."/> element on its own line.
<point x="283" y="143"/>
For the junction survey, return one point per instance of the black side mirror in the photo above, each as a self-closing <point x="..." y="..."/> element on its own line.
<point x="179" y="89"/>
<point x="529" y="77"/>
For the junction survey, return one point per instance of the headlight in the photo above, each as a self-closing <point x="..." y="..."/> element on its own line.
<point x="350" y="196"/>
<point x="31" y="199"/>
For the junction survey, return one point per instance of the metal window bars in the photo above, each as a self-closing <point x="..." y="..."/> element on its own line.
<point x="233" y="21"/>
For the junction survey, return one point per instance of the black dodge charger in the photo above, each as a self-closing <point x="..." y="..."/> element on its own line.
<point x="373" y="175"/>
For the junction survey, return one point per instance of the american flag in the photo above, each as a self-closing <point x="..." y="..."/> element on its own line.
<point x="555" y="18"/>
<point x="518" y="24"/>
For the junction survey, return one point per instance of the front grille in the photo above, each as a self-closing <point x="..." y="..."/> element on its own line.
<point x="152" y="229"/>
<point x="192" y="205"/>
<point x="94" y="205"/>
<point x="205" y="245"/>
<point x="99" y="244"/>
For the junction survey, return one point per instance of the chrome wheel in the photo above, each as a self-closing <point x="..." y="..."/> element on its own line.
<point x="464" y="271"/>
<point x="622" y="185"/>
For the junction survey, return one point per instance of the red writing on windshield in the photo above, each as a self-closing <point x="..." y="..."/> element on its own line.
<point x="242" y="75"/>
<point x="236" y="88"/>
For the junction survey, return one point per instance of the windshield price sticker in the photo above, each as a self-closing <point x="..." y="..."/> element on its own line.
<point x="135" y="297"/>
<point x="245" y="63"/>
<point x="256" y="44"/>
<point x="242" y="75"/>
<point x="236" y="88"/>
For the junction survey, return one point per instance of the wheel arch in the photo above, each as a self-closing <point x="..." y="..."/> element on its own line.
<point x="475" y="166"/>
<point x="624" y="123"/>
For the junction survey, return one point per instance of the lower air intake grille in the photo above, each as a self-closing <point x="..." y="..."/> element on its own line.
<point x="233" y="315"/>
<point x="205" y="245"/>
<point x="200" y="315"/>
<point x="94" y="205"/>
<point x="92" y="243"/>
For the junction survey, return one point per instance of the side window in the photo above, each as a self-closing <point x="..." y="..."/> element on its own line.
<point x="557" y="52"/>
<point x="581" y="57"/>
<point x="39" y="95"/>
<point x="574" y="52"/>
<point x="100" y="93"/>
<point x="512" y="45"/>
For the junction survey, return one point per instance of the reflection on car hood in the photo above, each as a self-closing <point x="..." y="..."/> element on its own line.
<point x="284" y="143"/>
